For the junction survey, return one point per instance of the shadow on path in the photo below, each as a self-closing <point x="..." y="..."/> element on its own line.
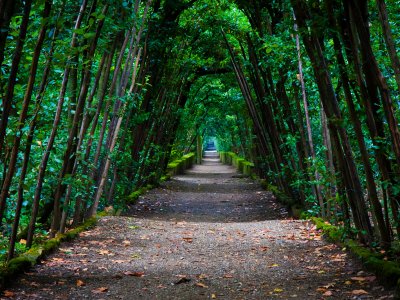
<point x="210" y="192"/>
<point x="208" y="234"/>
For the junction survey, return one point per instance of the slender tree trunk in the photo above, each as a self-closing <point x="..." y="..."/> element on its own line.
<point x="102" y="93"/>
<point x="81" y="135"/>
<point x="134" y="55"/>
<point x="387" y="35"/>
<point x="369" y="95"/>
<point x="24" y="111"/>
<point x="315" y="188"/>
<point x="72" y="143"/>
<point x="369" y="174"/>
<point x="20" y="199"/>
<point x="7" y="8"/>
<point x="374" y="75"/>
<point x="9" y="96"/>
<point x="50" y="143"/>
<point x="331" y="108"/>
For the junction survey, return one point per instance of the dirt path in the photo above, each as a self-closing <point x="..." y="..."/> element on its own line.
<point x="209" y="234"/>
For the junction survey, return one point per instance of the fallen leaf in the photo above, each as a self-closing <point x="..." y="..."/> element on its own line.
<point x="188" y="239"/>
<point x="135" y="274"/>
<point x="330" y="285"/>
<point x="213" y="296"/>
<point x="278" y="290"/>
<point x="104" y="252"/>
<point x="327" y="293"/>
<point x="361" y="279"/>
<point x="359" y="292"/>
<point x="8" y="294"/>
<point x="358" y="278"/>
<point x="199" y="284"/>
<point x="58" y="259"/>
<point x="100" y="290"/>
<point x="80" y="283"/>
<point x="126" y="243"/>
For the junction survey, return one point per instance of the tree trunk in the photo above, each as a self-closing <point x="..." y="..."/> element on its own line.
<point x="311" y="152"/>
<point x="387" y="35"/>
<point x="7" y="8"/>
<point x="9" y="96"/>
<point x="331" y="108"/>
<point x="50" y="143"/>
<point x="72" y="143"/>
<point x="82" y="132"/>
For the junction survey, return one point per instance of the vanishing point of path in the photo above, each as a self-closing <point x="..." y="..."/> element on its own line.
<point x="208" y="234"/>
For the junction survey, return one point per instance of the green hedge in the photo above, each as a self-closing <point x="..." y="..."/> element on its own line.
<point x="132" y="198"/>
<point x="243" y="166"/>
<point x="180" y="165"/>
<point x="31" y="257"/>
<point x="388" y="272"/>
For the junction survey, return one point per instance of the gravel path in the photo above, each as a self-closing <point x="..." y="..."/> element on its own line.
<point x="208" y="234"/>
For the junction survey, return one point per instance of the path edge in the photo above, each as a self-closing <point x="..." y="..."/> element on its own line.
<point x="34" y="255"/>
<point x="387" y="272"/>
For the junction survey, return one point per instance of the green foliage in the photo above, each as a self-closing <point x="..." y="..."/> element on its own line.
<point x="186" y="87"/>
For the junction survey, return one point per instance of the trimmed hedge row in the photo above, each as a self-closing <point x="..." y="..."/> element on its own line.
<point x="175" y="167"/>
<point x="388" y="272"/>
<point x="243" y="166"/>
<point x="33" y="256"/>
<point x="180" y="165"/>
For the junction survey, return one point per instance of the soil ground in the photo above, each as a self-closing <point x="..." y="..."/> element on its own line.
<point x="208" y="234"/>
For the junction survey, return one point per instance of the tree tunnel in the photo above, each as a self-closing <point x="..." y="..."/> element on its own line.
<point x="99" y="96"/>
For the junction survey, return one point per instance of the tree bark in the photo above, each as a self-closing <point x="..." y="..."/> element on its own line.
<point x="7" y="8"/>
<point x="388" y="37"/>
<point x="50" y="143"/>
<point x="72" y="143"/>
<point x="24" y="111"/>
<point x="331" y="108"/>
<point x="9" y="96"/>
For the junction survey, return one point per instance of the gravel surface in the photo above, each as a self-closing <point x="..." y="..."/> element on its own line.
<point x="208" y="234"/>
